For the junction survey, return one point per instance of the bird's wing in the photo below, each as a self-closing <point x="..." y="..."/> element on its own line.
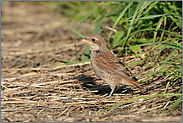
<point x="108" y="62"/>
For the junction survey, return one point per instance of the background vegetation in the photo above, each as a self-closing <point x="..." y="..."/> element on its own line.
<point x="151" y="30"/>
<point x="152" y="24"/>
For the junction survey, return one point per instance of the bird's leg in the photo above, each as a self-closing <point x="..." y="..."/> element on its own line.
<point x="113" y="88"/>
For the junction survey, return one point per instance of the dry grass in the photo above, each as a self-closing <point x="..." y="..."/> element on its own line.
<point x="34" y="88"/>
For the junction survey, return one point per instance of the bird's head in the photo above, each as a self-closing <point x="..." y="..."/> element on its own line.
<point x="95" y="42"/>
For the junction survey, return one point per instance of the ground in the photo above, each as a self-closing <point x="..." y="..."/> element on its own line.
<point x="36" y="88"/>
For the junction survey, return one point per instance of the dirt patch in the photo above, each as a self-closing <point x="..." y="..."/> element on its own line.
<point x="34" y="88"/>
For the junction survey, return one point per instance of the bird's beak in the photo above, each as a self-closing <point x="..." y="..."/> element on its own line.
<point x="84" y="40"/>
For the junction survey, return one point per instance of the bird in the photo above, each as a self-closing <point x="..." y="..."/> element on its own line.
<point x="107" y="66"/>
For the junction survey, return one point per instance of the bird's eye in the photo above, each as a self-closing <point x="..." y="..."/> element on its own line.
<point x="93" y="39"/>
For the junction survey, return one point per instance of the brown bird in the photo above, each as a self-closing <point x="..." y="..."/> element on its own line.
<point x="106" y="66"/>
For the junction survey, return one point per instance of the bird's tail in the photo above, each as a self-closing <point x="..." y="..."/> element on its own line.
<point x="135" y="84"/>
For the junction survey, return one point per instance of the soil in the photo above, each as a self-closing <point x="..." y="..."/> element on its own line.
<point x="36" y="88"/>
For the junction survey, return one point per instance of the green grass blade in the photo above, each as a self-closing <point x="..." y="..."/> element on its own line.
<point x="174" y="105"/>
<point x="97" y="29"/>
<point x="134" y="99"/>
<point x="130" y="27"/>
<point x="175" y="46"/>
<point x="70" y="62"/>
<point x="74" y="38"/>
<point x="86" y="54"/>
<point x="87" y="49"/>
<point x="151" y="6"/>
<point x="133" y="19"/>
<point x="73" y="29"/>
<point x="151" y="17"/>
<point x="85" y="17"/>
<point x="119" y="18"/>
<point x="157" y="27"/>
<point x="122" y="14"/>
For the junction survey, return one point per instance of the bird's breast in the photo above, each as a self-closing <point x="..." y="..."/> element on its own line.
<point x="98" y="71"/>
